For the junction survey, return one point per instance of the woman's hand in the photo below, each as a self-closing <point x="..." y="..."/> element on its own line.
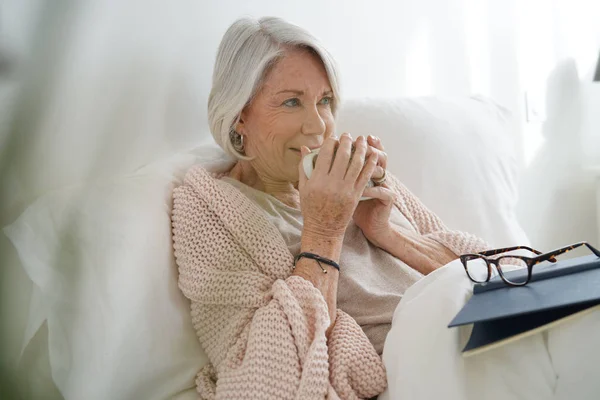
<point x="328" y="199"/>
<point x="373" y="216"/>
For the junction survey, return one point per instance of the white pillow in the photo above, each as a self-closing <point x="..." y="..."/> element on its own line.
<point x="456" y="154"/>
<point x="118" y="326"/>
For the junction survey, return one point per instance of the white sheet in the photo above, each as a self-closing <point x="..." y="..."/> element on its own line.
<point x="423" y="356"/>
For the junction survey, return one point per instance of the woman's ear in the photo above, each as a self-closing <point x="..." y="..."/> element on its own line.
<point x="239" y="126"/>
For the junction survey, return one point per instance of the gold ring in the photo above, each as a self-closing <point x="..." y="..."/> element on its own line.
<point x="379" y="181"/>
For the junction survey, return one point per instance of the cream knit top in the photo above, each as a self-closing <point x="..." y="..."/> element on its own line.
<point x="263" y="329"/>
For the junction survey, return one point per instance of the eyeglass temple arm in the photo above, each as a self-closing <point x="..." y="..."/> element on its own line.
<point x="592" y="249"/>
<point x="562" y="250"/>
<point x="505" y="249"/>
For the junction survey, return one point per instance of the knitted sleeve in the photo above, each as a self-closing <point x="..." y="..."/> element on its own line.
<point x="429" y="224"/>
<point x="265" y="336"/>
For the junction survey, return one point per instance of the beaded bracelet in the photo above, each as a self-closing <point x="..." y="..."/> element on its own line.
<point x="318" y="259"/>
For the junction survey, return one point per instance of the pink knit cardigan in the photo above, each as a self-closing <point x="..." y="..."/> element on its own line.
<point x="263" y="329"/>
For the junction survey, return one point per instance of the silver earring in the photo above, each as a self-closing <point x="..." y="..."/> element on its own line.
<point x="237" y="141"/>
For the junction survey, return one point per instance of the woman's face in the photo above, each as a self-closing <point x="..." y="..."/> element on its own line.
<point x="292" y="109"/>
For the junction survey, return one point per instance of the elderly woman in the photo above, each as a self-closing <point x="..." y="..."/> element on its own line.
<point x="293" y="281"/>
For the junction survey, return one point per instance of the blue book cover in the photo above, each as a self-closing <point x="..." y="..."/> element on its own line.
<point x="556" y="293"/>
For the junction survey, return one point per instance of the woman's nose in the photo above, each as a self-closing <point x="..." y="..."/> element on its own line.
<point x="313" y="123"/>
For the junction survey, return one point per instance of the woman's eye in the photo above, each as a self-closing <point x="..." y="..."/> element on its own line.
<point x="326" y="101"/>
<point x="291" y="102"/>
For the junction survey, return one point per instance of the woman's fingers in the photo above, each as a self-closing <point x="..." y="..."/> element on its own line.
<point x="357" y="161"/>
<point x="381" y="193"/>
<point x="366" y="172"/>
<point x="374" y="141"/>
<point x="326" y="155"/>
<point x="342" y="157"/>
<point x="349" y="162"/>
<point x="382" y="156"/>
<point x="376" y="145"/>
<point x="378" y="173"/>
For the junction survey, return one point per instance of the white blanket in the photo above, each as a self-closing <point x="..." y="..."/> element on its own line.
<point x="424" y="361"/>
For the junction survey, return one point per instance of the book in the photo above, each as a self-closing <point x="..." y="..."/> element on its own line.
<point x="557" y="293"/>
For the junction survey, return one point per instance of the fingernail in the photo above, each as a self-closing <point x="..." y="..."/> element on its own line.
<point x="371" y="137"/>
<point x="377" y="138"/>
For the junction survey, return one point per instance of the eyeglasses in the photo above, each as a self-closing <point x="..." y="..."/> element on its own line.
<point x="479" y="266"/>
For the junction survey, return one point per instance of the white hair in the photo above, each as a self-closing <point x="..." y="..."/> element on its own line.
<point x="247" y="51"/>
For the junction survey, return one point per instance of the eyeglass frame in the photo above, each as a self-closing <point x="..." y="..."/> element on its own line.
<point x="529" y="261"/>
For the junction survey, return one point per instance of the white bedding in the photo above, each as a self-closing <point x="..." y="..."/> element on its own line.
<point x="423" y="356"/>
